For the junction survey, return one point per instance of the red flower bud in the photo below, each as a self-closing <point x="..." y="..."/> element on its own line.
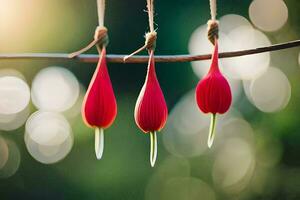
<point x="213" y="94"/>
<point x="151" y="111"/>
<point x="99" y="108"/>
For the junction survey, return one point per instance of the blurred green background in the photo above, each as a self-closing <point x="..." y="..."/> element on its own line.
<point x="124" y="171"/>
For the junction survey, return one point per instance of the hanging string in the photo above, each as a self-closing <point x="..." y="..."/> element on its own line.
<point x="100" y="36"/>
<point x="101" y="12"/>
<point x="150" y="37"/>
<point x="213" y="9"/>
<point x="100" y="40"/>
<point x="150" y="6"/>
<point x="213" y="24"/>
<point x="150" y="43"/>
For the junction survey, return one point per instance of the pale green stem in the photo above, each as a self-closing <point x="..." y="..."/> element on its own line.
<point x="212" y="128"/>
<point x="99" y="142"/>
<point x="153" y="148"/>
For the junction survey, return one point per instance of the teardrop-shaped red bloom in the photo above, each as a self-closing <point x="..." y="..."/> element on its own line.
<point x="99" y="108"/>
<point x="151" y="111"/>
<point x="213" y="94"/>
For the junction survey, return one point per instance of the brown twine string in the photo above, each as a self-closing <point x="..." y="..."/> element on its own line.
<point x="100" y="39"/>
<point x="100" y="36"/>
<point x="212" y="30"/>
<point x="150" y="7"/>
<point x="150" y="37"/>
<point x="213" y="9"/>
<point x="213" y="24"/>
<point x="150" y="43"/>
<point x="101" y="12"/>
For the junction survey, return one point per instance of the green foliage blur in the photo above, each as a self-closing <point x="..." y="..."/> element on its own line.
<point x="124" y="171"/>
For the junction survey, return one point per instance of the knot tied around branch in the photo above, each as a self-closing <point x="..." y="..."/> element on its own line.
<point x="212" y="30"/>
<point x="150" y="44"/>
<point x="101" y="36"/>
<point x="100" y="40"/>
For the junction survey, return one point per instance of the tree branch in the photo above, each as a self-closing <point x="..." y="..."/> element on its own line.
<point x="116" y="58"/>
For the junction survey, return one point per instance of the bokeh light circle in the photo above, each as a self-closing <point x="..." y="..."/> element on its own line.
<point x="268" y="15"/>
<point x="246" y="87"/>
<point x="72" y="113"/>
<point x="49" y="154"/>
<point x="11" y="72"/>
<point x="187" y="188"/>
<point x="186" y="131"/>
<point x="235" y="127"/>
<point x="14" y="121"/>
<point x="3" y="152"/>
<point x="54" y="89"/>
<point x="234" y="165"/>
<point x="199" y="44"/>
<point x="13" y="162"/>
<point x="47" y="128"/>
<point x="250" y="66"/>
<point x="231" y="21"/>
<point x="271" y="91"/>
<point x="14" y="95"/>
<point x="48" y="136"/>
<point x="170" y="168"/>
<point x="269" y="150"/>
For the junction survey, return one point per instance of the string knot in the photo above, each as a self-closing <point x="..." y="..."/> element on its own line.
<point x="101" y="36"/>
<point x="100" y="40"/>
<point x="150" y="42"/>
<point x="212" y="30"/>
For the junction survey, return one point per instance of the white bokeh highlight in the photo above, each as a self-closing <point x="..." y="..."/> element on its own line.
<point x="47" y="128"/>
<point x="250" y="66"/>
<point x="72" y="113"/>
<point x="11" y="72"/>
<point x="231" y="21"/>
<point x="14" y="99"/>
<point x="186" y="132"/>
<point x="48" y="137"/>
<point x="14" y="95"/>
<point x="54" y="89"/>
<point x="268" y="15"/>
<point x="14" y="121"/>
<point x="235" y="127"/>
<point x="271" y="91"/>
<point x="234" y="165"/>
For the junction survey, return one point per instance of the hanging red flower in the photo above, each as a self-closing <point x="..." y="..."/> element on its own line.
<point x="213" y="94"/>
<point x="151" y="111"/>
<point x="99" y="107"/>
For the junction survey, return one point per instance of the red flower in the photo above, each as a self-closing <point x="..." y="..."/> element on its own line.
<point x="99" y="107"/>
<point x="213" y="94"/>
<point x="151" y="111"/>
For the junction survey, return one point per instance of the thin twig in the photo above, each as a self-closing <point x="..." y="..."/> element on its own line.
<point x="117" y="58"/>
